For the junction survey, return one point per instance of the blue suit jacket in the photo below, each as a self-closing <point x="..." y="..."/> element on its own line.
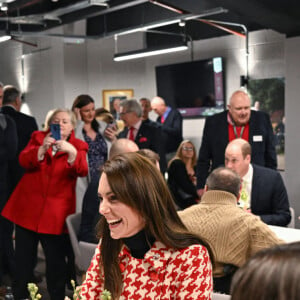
<point x="171" y="131"/>
<point x="269" y="198"/>
<point x="215" y="139"/>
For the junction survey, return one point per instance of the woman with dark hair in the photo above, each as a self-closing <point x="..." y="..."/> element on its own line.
<point x="91" y="131"/>
<point x="182" y="177"/>
<point x="271" y="274"/>
<point x="145" y="251"/>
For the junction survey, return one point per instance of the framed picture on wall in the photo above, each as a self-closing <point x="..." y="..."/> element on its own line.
<point x="112" y="98"/>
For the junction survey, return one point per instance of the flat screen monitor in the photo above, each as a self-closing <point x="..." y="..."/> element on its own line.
<point x="195" y="88"/>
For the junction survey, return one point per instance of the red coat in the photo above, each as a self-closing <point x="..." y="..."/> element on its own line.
<point x="45" y="195"/>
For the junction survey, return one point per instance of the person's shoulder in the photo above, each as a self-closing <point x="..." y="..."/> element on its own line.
<point x="191" y="252"/>
<point x="38" y="135"/>
<point x="102" y="125"/>
<point x="264" y="170"/>
<point x="258" y="114"/>
<point x="191" y="214"/>
<point x="218" y="116"/>
<point x="176" y="162"/>
<point x="25" y="116"/>
<point x="78" y="143"/>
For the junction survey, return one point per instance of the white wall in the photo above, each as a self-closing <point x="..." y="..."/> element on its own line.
<point x="58" y="74"/>
<point x="292" y="108"/>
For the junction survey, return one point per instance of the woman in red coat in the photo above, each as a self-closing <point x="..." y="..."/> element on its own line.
<point x="43" y="199"/>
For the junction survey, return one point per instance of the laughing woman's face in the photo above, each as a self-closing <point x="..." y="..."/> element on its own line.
<point x="123" y="220"/>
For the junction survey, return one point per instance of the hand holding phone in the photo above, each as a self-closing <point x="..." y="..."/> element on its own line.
<point x="55" y="131"/>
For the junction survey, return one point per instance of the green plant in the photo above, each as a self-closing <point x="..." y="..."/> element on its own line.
<point x="33" y="291"/>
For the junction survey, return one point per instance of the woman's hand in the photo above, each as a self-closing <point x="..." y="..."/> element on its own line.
<point x="47" y="143"/>
<point x="77" y="113"/>
<point x="66" y="147"/>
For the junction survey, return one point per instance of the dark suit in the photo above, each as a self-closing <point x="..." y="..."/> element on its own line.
<point x="269" y="198"/>
<point x="8" y="150"/>
<point x="25" y="126"/>
<point x="148" y="137"/>
<point x="171" y="131"/>
<point x="90" y="212"/>
<point x="215" y="140"/>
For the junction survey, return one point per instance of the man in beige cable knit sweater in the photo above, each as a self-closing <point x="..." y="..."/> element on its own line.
<point x="233" y="233"/>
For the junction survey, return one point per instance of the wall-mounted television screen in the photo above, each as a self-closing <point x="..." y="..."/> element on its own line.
<point x="195" y="88"/>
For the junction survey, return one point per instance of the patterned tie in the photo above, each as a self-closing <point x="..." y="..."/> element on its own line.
<point x="131" y="135"/>
<point x="162" y="119"/>
<point x="244" y="201"/>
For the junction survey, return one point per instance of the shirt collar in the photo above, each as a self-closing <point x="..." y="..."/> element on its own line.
<point x="10" y="105"/>
<point x="166" y="113"/>
<point x="137" y="125"/>
<point x="248" y="176"/>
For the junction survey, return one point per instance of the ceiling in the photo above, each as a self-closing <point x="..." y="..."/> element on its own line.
<point x="201" y="18"/>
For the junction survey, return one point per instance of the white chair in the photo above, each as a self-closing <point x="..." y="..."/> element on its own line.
<point x="217" y="296"/>
<point x="83" y="251"/>
<point x="292" y="222"/>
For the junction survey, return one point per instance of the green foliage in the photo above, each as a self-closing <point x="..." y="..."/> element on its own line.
<point x="268" y="92"/>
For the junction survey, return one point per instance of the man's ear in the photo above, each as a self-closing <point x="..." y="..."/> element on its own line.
<point x="18" y="103"/>
<point x="248" y="158"/>
<point x="205" y="188"/>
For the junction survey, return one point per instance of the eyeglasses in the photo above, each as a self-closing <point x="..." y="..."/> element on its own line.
<point x="124" y="113"/>
<point x="188" y="148"/>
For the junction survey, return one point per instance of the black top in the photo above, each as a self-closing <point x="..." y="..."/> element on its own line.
<point x="181" y="187"/>
<point x="139" y="244"/>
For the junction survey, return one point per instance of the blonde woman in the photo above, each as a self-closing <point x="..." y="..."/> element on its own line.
<point x="182" y="177"/>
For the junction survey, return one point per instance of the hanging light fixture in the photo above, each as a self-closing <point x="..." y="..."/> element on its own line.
<point x="5" y="38"/>
<point x="150" y="52"/>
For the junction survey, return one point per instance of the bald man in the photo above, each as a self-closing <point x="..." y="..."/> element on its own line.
<point x="170" y="122"/>
<point x="264" y="193"/>
<point x="239" y="121"/>
<point x="90" y="205"/>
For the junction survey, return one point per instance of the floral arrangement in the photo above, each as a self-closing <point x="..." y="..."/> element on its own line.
<point x="34" y="295"/>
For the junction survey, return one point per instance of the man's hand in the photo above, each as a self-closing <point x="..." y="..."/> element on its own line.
<point x="111" y="133"/>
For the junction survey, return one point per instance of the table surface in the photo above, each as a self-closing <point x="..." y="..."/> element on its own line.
<point x="287" y="234"/>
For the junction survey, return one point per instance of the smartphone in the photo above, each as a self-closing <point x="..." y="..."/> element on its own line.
<point x="55" y="131"/>
<point x="112" y="125"/>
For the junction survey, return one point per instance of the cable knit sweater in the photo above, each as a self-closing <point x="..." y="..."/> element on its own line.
<point x="233" y="234"/>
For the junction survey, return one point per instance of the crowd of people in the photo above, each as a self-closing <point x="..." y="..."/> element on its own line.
<point x="165" y="222"/>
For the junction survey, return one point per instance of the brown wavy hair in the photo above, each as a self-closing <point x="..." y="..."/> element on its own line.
<point x="135" y="181"/>
<point x="272" y="273"/>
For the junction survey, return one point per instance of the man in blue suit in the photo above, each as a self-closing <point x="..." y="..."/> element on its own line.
<point x="264" y="193"/>
<point x="239" y="121"/>
<point x="170" y="122"/>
